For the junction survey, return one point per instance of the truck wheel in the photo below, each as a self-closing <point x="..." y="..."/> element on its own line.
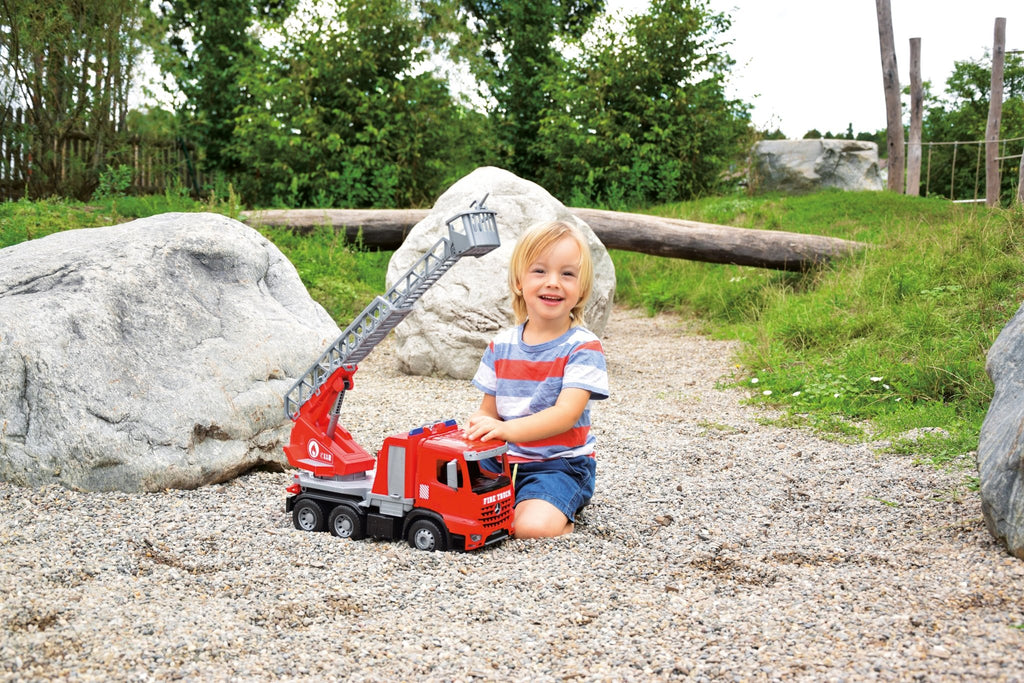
<point x="425" y="534"/>
<point x="346" y="522"/>
<point x="308" y="515"/>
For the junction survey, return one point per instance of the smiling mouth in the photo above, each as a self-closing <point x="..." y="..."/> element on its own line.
<point x="548" y="297"/>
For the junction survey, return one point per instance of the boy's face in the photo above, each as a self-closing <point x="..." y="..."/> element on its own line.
<point x="551" y="283"/>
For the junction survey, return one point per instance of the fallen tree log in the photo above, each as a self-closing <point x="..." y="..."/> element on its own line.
<point x="713" y="243"/>
<point x="381" y="228"/>
<point x="692" y="240"/>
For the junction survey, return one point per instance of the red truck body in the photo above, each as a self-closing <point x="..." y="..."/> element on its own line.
<point x="428" y="486"/>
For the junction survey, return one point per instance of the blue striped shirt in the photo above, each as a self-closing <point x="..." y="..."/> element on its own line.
<point x="525" y="379"/>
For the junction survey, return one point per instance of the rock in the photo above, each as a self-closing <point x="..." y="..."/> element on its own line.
<point x="797" y="166"/>
<point x="455" y="319"/>
<point x="1001" y="446"/>
<point x="149" y="355"/>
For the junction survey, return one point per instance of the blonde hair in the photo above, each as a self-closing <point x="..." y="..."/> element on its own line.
<point x="528" y="249"/>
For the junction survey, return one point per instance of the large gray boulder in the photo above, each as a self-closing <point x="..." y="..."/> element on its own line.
<point x="455" y="319"/>
<point x="149" y="355"/>
<point x="1001" y="447"/>
<point x="799" y="166"/>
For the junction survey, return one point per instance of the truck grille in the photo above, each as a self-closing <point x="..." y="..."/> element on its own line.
<point x="491" y="519"/>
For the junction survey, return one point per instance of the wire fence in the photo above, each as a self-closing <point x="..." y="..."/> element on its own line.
<point x="956" y="169"/>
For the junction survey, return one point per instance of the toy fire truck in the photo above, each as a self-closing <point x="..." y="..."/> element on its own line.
<point x="429" y="485"/>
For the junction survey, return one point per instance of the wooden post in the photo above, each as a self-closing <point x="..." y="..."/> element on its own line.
<point x="928" y="171"/>
<point x="891" y="83"/>
<point x="995" y="114"/>
<point x="952" y="173"/>
<point x="1020" y="179"/>
<point x="916" y="112"/>
<point x="977" y="170"/>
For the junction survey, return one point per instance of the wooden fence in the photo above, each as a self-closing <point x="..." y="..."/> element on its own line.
<point x="73" y="164"/>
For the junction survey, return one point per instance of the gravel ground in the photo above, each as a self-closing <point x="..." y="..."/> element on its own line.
<point x="716" y="548"/>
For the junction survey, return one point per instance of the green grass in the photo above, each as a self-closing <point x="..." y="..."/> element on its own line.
<point x="342" y="277"/>
<point x="891" y="340"/>
<point x="889" y="344"/>
<point x="24" y="220"/>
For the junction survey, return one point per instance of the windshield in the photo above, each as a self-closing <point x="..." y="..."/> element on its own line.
<point x="488" y="474"/>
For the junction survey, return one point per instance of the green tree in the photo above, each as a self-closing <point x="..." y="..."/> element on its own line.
<point x="641" y="115"/>
<point x="961" y="115"/>
<point x="878" y="137"/>
<point x="68" y="66"/>
<point x="342" y="114"/>
<point x="208" y="46"/>
<point x="518" y="44"/>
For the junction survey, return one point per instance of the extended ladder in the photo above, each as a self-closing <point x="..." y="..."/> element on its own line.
<point x="470" y="233"/>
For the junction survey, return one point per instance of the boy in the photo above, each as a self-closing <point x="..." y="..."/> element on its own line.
<point x="538" y="380"/>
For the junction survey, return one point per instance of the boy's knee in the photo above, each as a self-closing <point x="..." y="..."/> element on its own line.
<point x="532" y="530"/>
<point x="540" y="519"/>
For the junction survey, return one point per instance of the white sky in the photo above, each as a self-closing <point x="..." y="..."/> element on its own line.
<point x="807" y="64"/>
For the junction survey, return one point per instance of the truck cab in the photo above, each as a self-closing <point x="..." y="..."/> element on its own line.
<point x="434" y="473"/>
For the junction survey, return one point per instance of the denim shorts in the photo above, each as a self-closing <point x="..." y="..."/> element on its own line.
<point x="566" y="483"/>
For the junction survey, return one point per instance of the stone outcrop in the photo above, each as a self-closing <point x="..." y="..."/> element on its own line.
<point x="1001" y="447"/>
<point x="453" y="322"/>
<point x="149" y="355"/>
<point x="799" y="166"/>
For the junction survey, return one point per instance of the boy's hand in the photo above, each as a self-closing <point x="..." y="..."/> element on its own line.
<point x="484" y="428"/>
<point x="484" y="423"/>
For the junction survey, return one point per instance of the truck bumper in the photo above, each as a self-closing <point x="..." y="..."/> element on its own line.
<point x="497" y="537"/>
<point x="468" y="542"/>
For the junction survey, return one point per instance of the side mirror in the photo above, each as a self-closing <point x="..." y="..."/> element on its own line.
<point x="451" y="473"/>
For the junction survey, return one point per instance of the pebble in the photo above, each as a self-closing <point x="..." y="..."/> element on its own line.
<point x="719" y="546"/>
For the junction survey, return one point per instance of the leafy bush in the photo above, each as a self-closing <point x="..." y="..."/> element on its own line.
<point x="114" y="182"/>
<point x="641" y="116"/>
<point x="336" y="117"/>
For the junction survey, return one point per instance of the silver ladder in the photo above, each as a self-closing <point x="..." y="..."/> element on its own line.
<point x="470" y="233"/>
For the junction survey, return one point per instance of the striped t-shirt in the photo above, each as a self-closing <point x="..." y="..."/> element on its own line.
<point x="526" y="379"/>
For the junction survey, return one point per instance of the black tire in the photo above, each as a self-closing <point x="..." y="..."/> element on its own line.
<point x="346" y="522"/>
<point x="425" y="534"/>
<point x="307" y="515"/>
